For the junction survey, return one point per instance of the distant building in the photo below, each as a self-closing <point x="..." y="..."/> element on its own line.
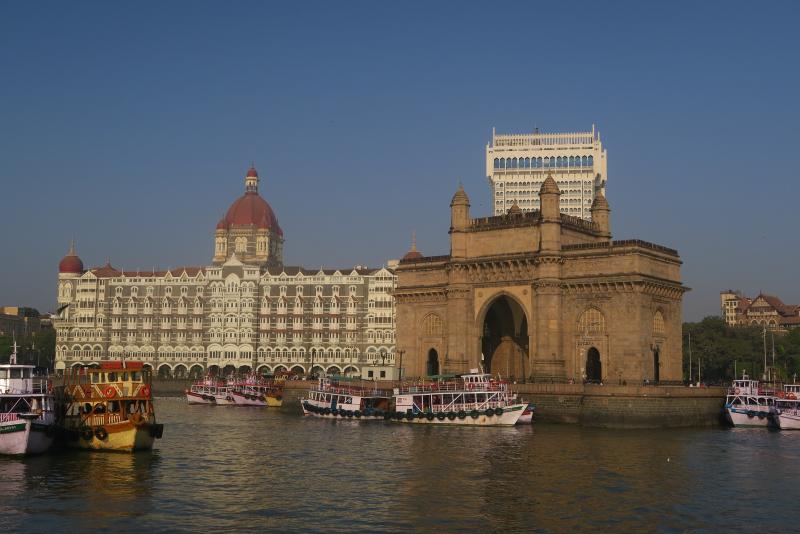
<point x="246" y="311"/>
<point x="18" y="321"/>
<point x="764" y="310"/>
<point x="517" y="164"/>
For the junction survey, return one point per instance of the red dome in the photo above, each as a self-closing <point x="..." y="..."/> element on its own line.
<point x="250" y="209"/>
<point x="252" y="173"/>
<point x="412" y="255"/>
<point x="71" y="264"/>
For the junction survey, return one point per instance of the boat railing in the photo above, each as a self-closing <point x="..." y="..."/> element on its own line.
<point x="466" y="406"/>
<point x="355" y="391"/>
<point x="484" y="387"/>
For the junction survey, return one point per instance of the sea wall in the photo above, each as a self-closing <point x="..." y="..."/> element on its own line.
<point x="587" y="405"/>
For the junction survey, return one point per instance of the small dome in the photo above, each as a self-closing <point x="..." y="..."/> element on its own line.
<point x="514" y="209"/>
<point x="222" y="225"/>
<point x="460" y="197"/>
<point x="413" y="254"/>
<point x="252" y="172"/>
<point x="549" y="186"/>
<point x="71" y="263"/>
<point x="600" y="202"/>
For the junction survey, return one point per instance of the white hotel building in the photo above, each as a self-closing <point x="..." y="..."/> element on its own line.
<point x="246" y="311"/>
<point x="517" y="164"/>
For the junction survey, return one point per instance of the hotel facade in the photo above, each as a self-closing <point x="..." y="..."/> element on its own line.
<point x="245" y="311"/>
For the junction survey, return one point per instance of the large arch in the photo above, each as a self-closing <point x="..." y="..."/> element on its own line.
<point x="180" y="371"/>
<point x="432" y="366"/>
<point x="594" y="367"/>
<point x="505" y="341"/>
<point x="196" y="371"/>
<point x="165" y="370"/>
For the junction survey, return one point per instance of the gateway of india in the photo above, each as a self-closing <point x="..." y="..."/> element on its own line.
<point x="542" y="295"/>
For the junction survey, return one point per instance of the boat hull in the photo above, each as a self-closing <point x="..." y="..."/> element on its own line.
<point x="509" y="417"/>
<point x="787" y="421"/>
<point x="325" y="412"/>
<point x="751" y="417"/>
<point x="198" y="398"/>
<point x="125" y="436"/>
<point x="25" y="437"/>
<point x="241" y="399"/>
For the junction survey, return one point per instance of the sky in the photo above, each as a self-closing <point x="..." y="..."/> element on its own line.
<point x="129" y="127"/>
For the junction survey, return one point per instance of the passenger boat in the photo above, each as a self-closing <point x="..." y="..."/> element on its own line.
<point x="254" y="390"/>
<point x="475" y="399"/>
<point x="527" y="414"/>
<point x="345" y="399"/>
<point x="787" y="408"/>
<point x="26" y="410"/>
<point x="748" y="403"/>
<point x="210" y="390"/>
<point x="108" y="408"/>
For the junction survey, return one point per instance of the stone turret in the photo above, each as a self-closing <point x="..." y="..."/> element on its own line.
<point x="459" y="222"/>
<point x="600" y="211"/>
<point x="549" y="195"/>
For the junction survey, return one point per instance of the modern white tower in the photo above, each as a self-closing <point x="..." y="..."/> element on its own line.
<point x="517" y="164"/>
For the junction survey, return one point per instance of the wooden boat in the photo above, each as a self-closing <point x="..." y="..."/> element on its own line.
<point x="108" y="408"/>
<point x="26" y="410"/>
<point x="343" y="398"/>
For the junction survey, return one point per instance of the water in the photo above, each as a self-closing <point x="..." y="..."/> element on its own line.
<point x="238" y="469"/>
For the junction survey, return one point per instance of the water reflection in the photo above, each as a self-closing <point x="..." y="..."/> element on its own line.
<point x="235" y="469"/>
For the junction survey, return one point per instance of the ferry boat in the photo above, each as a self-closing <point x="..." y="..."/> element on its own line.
<point x="26" y="410"/>
<point x="787" y="408"/>
<point x="108" y="408"/>
<point x="472" y="399"/>
<point x="338" y="397"/>
<point x="210" y="390"/>
<point x="527" y="414"/>
<point x="748" y="404"/>
<point x="254" y="390"/>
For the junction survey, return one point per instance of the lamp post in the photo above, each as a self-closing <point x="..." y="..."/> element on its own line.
<point x="401" y="352"/>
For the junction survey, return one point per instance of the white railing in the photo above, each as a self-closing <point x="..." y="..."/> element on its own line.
<point x="8" y="417"/>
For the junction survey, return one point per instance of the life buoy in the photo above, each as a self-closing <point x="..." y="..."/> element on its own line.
<point x="87" y="434"/>
<point x="110" y="392"/>
<point x="462" y="414"/>
<point x="737" y="391"/>
<point x="791" y="396"/>
<point x="474" y="414"/>
<point x="101" y="433"/>
<point x="144" y="391"/>
<point x="498" y="411"/>
<point x="451" y="415"/>
<point x="429" y="416"/>
<point x="489" y="412"/>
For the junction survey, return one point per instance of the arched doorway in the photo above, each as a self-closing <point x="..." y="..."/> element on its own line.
<point x="656" y="364"/>
<point x="594" y="368"/>
<point x="505" y="344"/>
<point x="433" y="363"/>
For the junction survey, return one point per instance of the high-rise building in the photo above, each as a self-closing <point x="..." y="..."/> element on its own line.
<point x="245" y="311"/>
<point x="517" y="164"/>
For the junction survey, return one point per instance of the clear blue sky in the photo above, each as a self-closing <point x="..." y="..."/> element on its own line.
<point x="130" y="126"/>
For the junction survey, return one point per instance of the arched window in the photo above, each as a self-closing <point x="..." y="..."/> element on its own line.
<point x="496" y="163"/>
<point x="592" y="323"/>
<point x="591" y="161"/>
<point x="572" y="161"/>
<point x="527" y="163"/>
<point x="658" y="324"/>
<point x="502" y="163"/>
<point x="514" y="163"/>
<point x="432" y="325"/>
<point x="584" y="161"/>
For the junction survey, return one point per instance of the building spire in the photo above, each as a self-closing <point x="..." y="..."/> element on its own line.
<point x="251" y="180"/>
<point x="413" y="240"/>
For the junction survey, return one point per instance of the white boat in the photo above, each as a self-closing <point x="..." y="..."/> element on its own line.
<point x="749" y="404"/>
<point x="527" y="415"/>
<point x="787" y="408"/>
<point x="345" y="400"/>
<point x="254" y="390"/>
<point x="209" y="390"/>
<point x="26" y="410"/>
<point x="475" y="399"/>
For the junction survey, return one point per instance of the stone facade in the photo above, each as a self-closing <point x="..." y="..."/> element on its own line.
<point x="245" y="311"/>
<point x="541" y="295"/>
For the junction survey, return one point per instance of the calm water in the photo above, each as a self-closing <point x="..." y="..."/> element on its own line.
<point x="239" y="469"/>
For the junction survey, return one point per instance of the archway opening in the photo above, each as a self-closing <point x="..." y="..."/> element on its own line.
<point x="196" y="372"/>
<point x="505" y="343"/>
<point x="180" y="371"/>
<point x="164" y="371"/>
<point x="594" y="368"/>
<point x="229" y="370"/>
<point x="433" y="363"/>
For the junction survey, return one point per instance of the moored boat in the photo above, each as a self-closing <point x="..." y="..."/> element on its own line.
<point x="26" y="410"/>
<point x="787" y="408"/>
<point x="475" y="399"/>
<point x="345" y="399"/>
<point x="254" y="390"/>
<point x="108" y="408"/>
<point x="527" y="414"/>
<point x="210" y="390"/>
<point x="748" y="403"/>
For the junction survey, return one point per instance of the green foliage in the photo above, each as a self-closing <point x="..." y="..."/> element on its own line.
<point x="35" y="348"/>
<point x="720" y="348"/>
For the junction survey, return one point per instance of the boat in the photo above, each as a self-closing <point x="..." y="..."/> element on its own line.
<point x="527" y="415"/>
<point x="475" y="399"/>
<point x="787" y="408"/>
<point x="210" y="390"/>
<point x="27" y="411"/>
<point x="346" y="399"/>
<point x="108" y="408"/>
<point x="748" y="403"/>
<point x="254" y="390"/>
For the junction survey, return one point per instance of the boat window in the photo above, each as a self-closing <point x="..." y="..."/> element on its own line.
<point x="113" y="406"/>
<point x="26" y="373"/>
<point x="16" y="373"/>
<point x="124" y="377"/>
<point x="3" y="373"/>
<point x="95" y="378"/>
<point x="87" y="408"/>
<point x="100" y="408"/>
<point x="112" y="377"/>
<point x="136" y="376"/>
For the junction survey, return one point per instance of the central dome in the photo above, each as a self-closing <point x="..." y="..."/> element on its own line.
<point x="250" y="210"/>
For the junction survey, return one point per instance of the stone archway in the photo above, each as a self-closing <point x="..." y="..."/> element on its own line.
<point x="594" y="367"/>
<point x="432" y="367"/>
<point x="504" y="340"/>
